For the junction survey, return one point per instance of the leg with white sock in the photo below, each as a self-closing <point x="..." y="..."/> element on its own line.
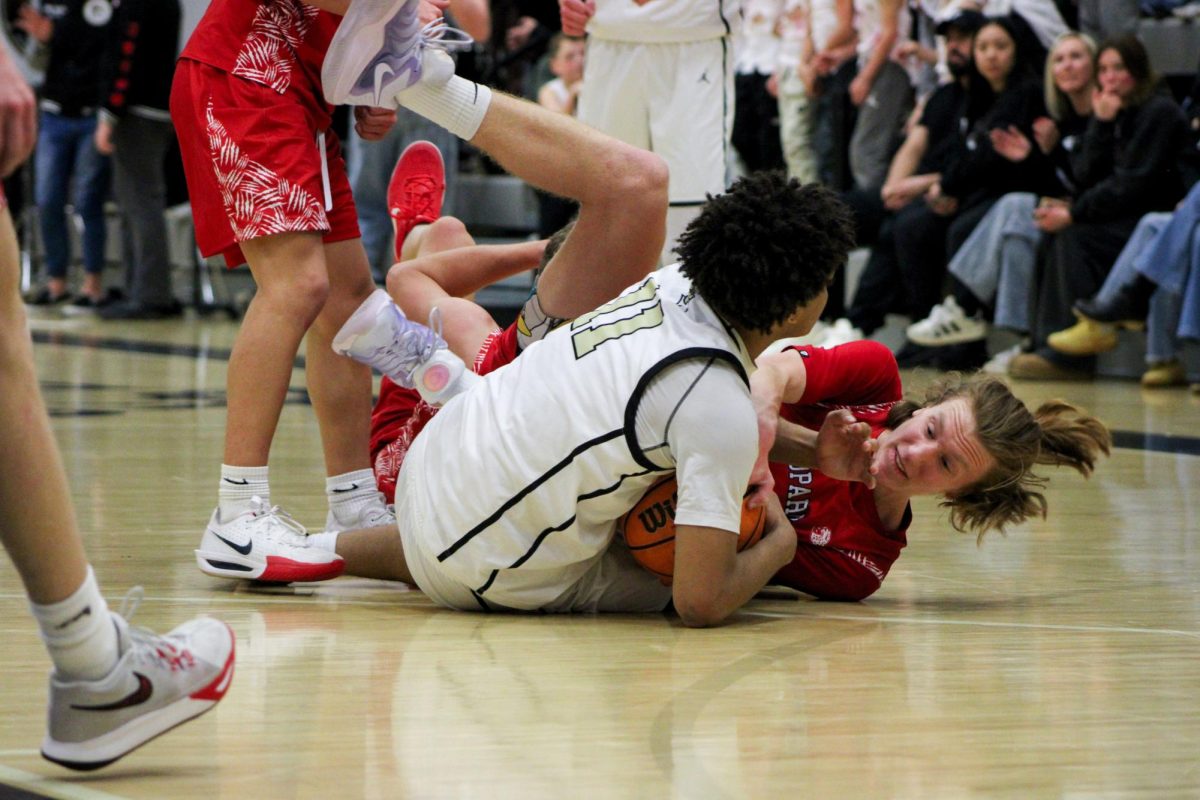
<point x="99" y="710"/>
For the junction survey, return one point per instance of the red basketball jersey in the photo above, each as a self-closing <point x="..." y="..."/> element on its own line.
<point x="844" y="551"/>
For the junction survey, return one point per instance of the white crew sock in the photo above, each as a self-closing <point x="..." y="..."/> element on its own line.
<point x="458" y="105"/>
<point x="79" y="633"/>
<point x="348" y="494"/>
<point x="324" y="541"/>
<point x="238" y="486"/>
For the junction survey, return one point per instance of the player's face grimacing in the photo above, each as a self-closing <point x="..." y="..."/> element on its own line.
<point x="935" y="452"/>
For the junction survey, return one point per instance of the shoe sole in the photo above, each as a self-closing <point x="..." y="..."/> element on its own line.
<point x="945" y="341"/>
<point x="276" y="569"/>
<point x="348" y="55"/>
<point x="104" y="750"/>
<point x="1071" y="350"/>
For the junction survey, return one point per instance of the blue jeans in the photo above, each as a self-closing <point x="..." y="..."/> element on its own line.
<point x="1165" y="247"/>
<point x="65" y="148"/>
<point x="996" y="261"/>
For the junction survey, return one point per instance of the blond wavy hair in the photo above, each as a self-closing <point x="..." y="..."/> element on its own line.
<point x="1056" y="434"/>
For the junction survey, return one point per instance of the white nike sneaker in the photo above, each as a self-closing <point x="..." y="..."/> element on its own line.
<point x="947" y="324"/>
<point x="380" y="49"/>
<point x="411" y="354"/>
<point x="375" y="515"/>
<point x="263" y="544"/>
<point x="159" y="682"/>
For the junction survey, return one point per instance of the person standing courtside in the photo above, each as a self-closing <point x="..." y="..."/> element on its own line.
<point x="659" y="76"/>
<point x="74" y="33"/>
<point x="135" y="130"/>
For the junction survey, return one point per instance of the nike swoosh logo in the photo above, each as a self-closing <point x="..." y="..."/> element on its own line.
<point x="244" y="549"/>
<point x="383" y="71"/>
<point x="353" y="488"/>
<point x="242" y="482"/>
<point x="135" y="698"/>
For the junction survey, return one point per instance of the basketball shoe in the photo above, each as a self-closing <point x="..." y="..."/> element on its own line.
<point x="373" y="515"/>
<point x="416" y="189"/>
<point x="159" y="682"/>
<point x="381" y="48"/>
<point x="263" y="544"/>
<point x="411" y="354"/>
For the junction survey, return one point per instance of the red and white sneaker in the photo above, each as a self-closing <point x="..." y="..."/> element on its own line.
<point x="416" y="190"/>
<point x="159" y="682"/>
<point x="263" y="544"/>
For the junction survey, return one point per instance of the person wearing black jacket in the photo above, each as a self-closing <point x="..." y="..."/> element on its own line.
<point x="1004" y="93"/>
<point x="135" y="129"/>
<point x="1127" y="166"/>
<point x="74" y="33"/>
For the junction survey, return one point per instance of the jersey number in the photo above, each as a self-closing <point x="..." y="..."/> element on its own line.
<point x="612" y="320"/>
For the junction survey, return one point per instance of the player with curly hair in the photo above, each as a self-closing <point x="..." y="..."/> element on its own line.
<point x="510" y="497"/>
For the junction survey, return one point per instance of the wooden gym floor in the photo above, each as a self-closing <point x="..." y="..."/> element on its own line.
<point x="1061" y="661"/>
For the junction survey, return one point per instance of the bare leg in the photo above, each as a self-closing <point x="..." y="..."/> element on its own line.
<point x="374" y="553"/>
<point x="290" y="271"/>
<point x="37" y="520"/>
<point x="340" y="388"/>
<point x="447" y="269"/>
<point x="622" y="192"/>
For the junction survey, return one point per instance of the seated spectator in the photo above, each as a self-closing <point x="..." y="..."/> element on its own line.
<point x="1003" y="95"/>
<point x="993" y="270"/>
<point x="1128" y="166"/>
<point x="917" y="165"/>
<point x="1155" y="281"/>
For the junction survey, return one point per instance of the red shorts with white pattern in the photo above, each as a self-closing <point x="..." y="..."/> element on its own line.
<point x="400" y="414"/>
<point x="254" y="160"/>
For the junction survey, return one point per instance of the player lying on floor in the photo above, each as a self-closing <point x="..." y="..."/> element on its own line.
<point x="970" y="442"/>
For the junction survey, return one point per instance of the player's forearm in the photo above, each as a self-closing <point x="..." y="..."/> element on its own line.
<point x="466" y="270"/>
<point x="718" y="581"/>
<point x="794" y="444"/>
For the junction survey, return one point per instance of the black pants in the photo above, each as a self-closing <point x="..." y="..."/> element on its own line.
<point x="1072" y="265"/>
<point x="756" y="124"/>
<point x="924" y="243"/>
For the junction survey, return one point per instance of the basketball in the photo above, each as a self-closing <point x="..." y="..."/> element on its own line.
<point x="649" y="528"/>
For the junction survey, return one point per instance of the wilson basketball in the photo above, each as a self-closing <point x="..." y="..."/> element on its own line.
<point x="649" y="528"/>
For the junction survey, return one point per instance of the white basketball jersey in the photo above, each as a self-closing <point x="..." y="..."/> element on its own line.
<point x="524" y="477"/>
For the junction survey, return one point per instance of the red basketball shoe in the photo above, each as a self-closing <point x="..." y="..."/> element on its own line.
<point x="416" y="189"/>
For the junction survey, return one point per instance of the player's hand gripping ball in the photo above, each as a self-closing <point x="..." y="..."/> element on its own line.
<point x="649" y="528"/>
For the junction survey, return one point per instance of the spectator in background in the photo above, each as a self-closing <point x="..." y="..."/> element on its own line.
<point x="882" y="90"/>
<point x="1004" y="94"/>
<point x="560" y="95"/>
<point x="369" y="162"/>
<point x="75" y="33"/>
<point x="659" y="76"/>
<point x="833" y="66"/>
<point x="135" y="130"/>
<point x="993" y="270"/>
<point x="756" y="122"/>
<point x="1127" y="167"/>
<point x="1156" y="281"/>
<point x="930" y="144"/>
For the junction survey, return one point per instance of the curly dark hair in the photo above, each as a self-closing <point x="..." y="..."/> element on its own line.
<point x="765" y="248"/>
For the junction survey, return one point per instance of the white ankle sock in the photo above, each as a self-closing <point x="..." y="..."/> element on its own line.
<point x="238" y="485"/>
<point x="349" y="493"/>
<point x="79" y="633"/>
<point x="324" y="541"/>
<point x="458" y="105"/>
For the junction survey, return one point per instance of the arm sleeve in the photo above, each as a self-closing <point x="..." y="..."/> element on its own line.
<point x="859" y="373"/>
<point x="827" y="574"/>
<point x="701" y="410"/>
